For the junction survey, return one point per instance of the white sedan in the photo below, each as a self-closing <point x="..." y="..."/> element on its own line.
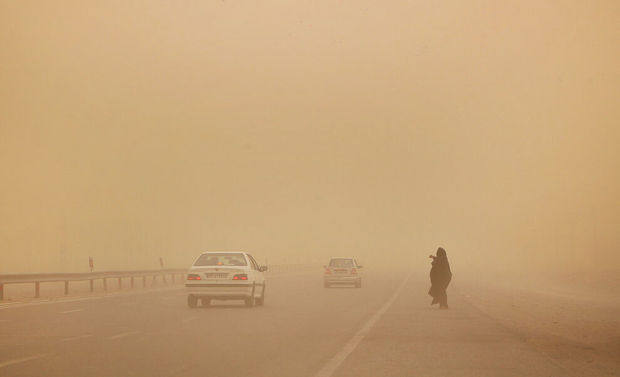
<point x="342" y="270"/>
<point x="230" y="275"/>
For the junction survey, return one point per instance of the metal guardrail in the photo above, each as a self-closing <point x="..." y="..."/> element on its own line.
<point x="37" y="279"/>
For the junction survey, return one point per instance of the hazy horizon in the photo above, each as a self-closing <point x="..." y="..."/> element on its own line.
<point x="134" y="130"/>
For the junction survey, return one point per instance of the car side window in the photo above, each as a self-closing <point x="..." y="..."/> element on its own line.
<point x="253" y="262"/>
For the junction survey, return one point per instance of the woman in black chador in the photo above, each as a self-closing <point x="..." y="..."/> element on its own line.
<point x="440" y="278"/>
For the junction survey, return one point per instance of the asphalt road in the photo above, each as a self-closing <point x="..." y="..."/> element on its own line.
<point x="386" y="328"/>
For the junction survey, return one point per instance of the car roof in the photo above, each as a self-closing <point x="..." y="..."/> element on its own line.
<point x="341" y="257"/>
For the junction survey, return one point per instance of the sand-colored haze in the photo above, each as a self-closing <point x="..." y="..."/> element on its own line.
<point x="299" y="130"/>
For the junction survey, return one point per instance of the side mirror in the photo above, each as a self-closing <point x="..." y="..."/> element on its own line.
<point x="360" y="266"/>
<point x="324" y="266"/>
<point x="263" y="268"/>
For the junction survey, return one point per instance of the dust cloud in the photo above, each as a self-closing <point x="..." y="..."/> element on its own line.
<point x="300" y="130"/>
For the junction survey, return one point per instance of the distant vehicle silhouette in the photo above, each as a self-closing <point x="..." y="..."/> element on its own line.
<point x="342" y="270"/>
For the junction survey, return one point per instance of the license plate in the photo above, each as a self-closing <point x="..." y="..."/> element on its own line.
<point x="216" y="275"/>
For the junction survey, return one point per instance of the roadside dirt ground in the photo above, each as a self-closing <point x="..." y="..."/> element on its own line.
<point x="575" y="319"/>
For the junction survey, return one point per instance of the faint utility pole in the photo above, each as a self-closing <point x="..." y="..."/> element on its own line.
<point x="594" y="230"/>
<point x="63" y="245"/>
<point x="572" y="241"/>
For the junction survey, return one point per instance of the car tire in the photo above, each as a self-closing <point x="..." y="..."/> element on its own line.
<point x="192" y="301"/>
<point x="250" y="301"/>
<point x="261" y="300"/>
<point x="358" y="284"/>
<point x="326" y="284"/>
<point x="205" y="301"/>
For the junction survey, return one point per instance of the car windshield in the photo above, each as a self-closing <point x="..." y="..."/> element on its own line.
<point x="221" y="259"/>
<point x="341" y="263"/>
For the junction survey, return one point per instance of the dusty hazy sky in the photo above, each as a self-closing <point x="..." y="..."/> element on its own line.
<point x="131" y="130"/>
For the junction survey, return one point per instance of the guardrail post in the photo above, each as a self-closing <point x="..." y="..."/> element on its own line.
<point x="154" y="280"/>
<point x="1" y="291"/>
<point x="172" y="276"/>
<point x="37" y="289"/>
<point x="92" y="285"/>
<point x="120" y="283"/>
<point x="66" y="287"/>
<point x="143" y="281"/>
<point x="131" y="282"/>
<point x="105" y="284"/>
<point x="163" y="276"/>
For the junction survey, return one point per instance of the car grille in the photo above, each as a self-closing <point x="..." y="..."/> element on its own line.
<point x="216" y="275"/>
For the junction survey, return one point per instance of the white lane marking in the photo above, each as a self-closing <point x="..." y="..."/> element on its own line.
<point x="76" y="337"/>
<point x="333" y="364"/>
<point x="121" y="335"/>
<point x="189" y="319"/>
<point x="71" y="311"/>
<point x="21" y="360"/>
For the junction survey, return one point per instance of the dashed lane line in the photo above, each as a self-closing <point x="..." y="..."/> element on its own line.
<point x="121" y="335"/>
<point x="20" y="360"/>
<point x="71" y="311"/>
<point x="76" y="337"/>
<point x="86" y="298"/>
<point x="184" y="320"/>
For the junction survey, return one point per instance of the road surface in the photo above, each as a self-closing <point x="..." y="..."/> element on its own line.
<point x="386" y="328"/>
